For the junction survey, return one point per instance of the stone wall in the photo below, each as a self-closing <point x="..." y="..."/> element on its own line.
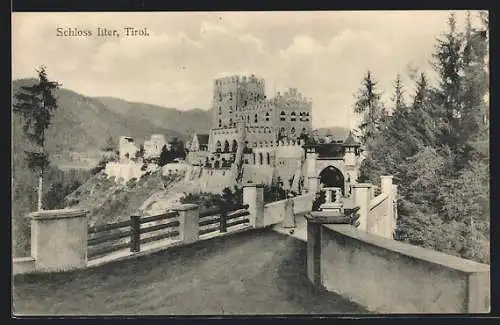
<point x="388" y="276"/>
<point x="124" y="171"/>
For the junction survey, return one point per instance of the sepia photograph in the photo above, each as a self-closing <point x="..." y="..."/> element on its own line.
<point x="233" y="163"/>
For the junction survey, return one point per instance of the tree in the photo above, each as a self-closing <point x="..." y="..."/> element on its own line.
<point x="398" y="99"/>
<point x="368" y="104"/>
<point x="36" y="104"/>
<point x="140" y="152"/>
<point x="448" y="63"/>
<point x="110" y="145"/>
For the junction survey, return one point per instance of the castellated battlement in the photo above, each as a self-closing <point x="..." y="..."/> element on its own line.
<point x="293" y="96"/>
<point x="275" y="144"/>
<point x="227" y="130"/>
<point x="239" y="80"/>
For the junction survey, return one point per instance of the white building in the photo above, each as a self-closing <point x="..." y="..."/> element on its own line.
<point x="153" y="146"/>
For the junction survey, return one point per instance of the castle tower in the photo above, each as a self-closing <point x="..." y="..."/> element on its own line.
<point x="311" y="173"/>
<point x="351" y="157"/>
<point x="231" y="98"/>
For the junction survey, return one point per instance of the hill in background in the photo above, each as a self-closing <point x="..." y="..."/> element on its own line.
<point x="183" y="122"/>
<point x="338" y="132"/>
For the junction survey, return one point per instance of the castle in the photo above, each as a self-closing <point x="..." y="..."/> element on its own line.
<point x="262" y="139"/>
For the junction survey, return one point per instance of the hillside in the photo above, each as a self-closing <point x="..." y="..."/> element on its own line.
<point x="183" y="122"/>
<point x="83" y="124"/>
<point x="337" y="132"/>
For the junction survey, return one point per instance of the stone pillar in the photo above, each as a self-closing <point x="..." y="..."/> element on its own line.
<point x="59" y="239"/>
<point x="386" y="184"/>
<point x="395" y="208"/>
<point x="253" y="195"/>
<point x="315" y="220"/>
<point x="361" y="196"/>
<point x="312" y="177"/>
<point x="189" y="222"/>
<point x="387" y="188"/>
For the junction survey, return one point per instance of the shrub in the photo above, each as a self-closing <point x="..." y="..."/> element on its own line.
<point x="319" y="200"/>
<point x="274" y="193"/>
<point x="131" y="182"/>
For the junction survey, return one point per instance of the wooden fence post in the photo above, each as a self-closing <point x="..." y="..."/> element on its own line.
<point x="135" y="234"/>
<point x="223" y="219"/>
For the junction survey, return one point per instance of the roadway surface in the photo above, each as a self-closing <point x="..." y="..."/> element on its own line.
<point x="257" y="272"/>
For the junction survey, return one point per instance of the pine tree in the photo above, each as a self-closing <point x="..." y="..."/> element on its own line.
<point x="424" y="117"/>
<point x="368" y="104"/>
<point x="398" y="99"/>
<point x="36" y="105"/>
<point x="448" y="63"/>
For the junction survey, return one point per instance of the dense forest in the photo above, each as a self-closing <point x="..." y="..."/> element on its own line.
<point x="435" y="142"/>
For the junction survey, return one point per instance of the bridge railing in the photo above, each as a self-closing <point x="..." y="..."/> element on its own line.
<point x="61" y="240"/>
<point x="131" y="233"/>
<point x="220" y="218"/>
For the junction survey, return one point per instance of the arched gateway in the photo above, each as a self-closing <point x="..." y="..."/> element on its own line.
<point x="332" y="177"/>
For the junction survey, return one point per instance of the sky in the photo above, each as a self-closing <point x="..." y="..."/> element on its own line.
<point x="324" y="54"/>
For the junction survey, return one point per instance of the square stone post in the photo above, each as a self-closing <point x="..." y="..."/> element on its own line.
<point x="315" y="220"/>
<point x="189" y="222"/>
<point x="395" y="208"/>
<point x="361" y="196"/>
<point x="386" y="187"/>
<point x="386" y="184"/>
<point x="59" y="239"/>
<point x="253" y="195"/>
<point x="313" y="184"/>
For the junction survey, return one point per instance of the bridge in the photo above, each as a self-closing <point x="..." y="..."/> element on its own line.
<point x="254" y="258"/>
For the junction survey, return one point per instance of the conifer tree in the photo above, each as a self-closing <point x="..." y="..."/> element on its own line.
<point x="368" y="104"/>
<point x="398" y="99"/>
<point x="448" y="63"/>
<point x="36" y="105"/>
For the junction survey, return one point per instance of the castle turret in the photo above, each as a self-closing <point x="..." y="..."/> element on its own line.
<point x="351" y="157"/>
<point x="311" y="174"/>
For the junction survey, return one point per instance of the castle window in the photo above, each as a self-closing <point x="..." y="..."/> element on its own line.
<point x="260" y="158"/>
<point x="248" y="118"/>
<point x="268" y="159"/>
<point x="282" y="116"/>
<point x="292" y="131"/>
<point x="255" y="119"/>
<point x="230" y="122"/>
<point x="218" y="147"/>
<point x="267" y="116"/>
<point x="246" y="102"/>
<point x="230" y="96"/>
<point x="220" y="123"/>
<point x="293" y="118"/>
<point x="220" y="110"/>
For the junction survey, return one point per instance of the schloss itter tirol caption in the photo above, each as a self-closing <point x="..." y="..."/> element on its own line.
<point x="102" y="32"/>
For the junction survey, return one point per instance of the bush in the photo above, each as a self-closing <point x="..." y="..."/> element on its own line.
<point x="131" y="182"/>
<point x="274" y="192"/>
<point x="319" y="200"/>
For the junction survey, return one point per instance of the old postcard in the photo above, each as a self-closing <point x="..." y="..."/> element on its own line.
<point x="250" y="163"/>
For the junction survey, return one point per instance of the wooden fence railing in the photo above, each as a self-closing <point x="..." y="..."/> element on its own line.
<point x="127" y="234"/>
<point x="139" y="230"/>
<point x="222" y="217"/>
